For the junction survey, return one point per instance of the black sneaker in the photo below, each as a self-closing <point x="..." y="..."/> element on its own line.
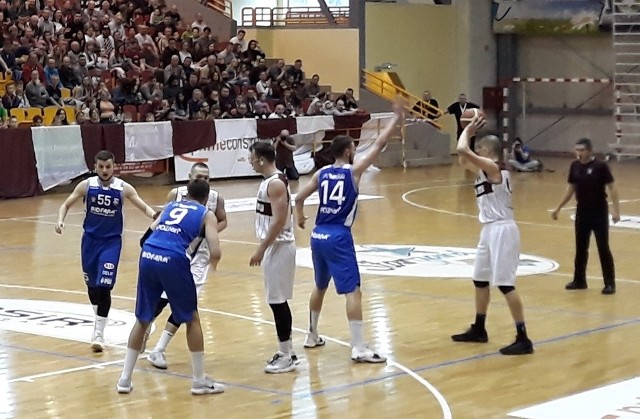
<point x="609" y="289"/>
<point x="573" y="285"/>
<point x="474" y="334"/>
<point x="519" y="347"/>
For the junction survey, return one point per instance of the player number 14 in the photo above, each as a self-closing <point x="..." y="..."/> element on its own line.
<point x="337" y="192"/>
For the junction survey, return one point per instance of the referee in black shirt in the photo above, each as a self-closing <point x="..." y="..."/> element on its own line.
<point x="588" y="179"/>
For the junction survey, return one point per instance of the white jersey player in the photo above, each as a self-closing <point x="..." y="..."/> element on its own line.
<point x="199" y="253"/>
<point x="499" y="246"/>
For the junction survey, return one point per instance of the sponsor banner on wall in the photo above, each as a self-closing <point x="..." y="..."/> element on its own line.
<point x="426" y="261"/>
<point x="228" y="158"/>
<point x="62" y="320"/>
<point x="134" y="168"/>
<point x="614" y="401"/>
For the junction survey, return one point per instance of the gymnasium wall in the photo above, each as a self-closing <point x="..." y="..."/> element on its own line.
<point x="331" y="53"/>
<point x="591" y="104"/>
<point x="445" y="49"/>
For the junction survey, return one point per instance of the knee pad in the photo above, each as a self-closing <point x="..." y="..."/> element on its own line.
<point x="506" y="289"/>
<point x="480" y="284"/>
<point x="161" y="305"/>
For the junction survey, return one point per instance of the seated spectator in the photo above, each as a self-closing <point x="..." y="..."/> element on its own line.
<point x="261" y="111"/>
<point x="22" y="96"/>
<point x="254" y="74"/>
<point x="243" y="111"/>
<point x="227" y="54"/>
<point x="253" y="54"/>
<point x="12" y="122"/>
<point x="341" y="109"/>
<point x="278" y="113"/>
<point x="81" y="118"/>
<point x="36" y="92"/>
<point x="317" y="104"/>
<point x="10" y="99"/>
<point x="106" y="109"/>
<point x="37" y="121"/>
<point x="264" y="85"/>
<point x="151" y="91"/>
<point x="195" y="103"/>
<point x="3" y="114"/>
<point x="67" y="76"/>
<point x="54" y="91"/>
<point x="420" y="110"/>
<point x="227" y="101"/>
<point x="276" y="72"/>
<point x="313" y="87"/>
<point x="61" y="115"/>
<point x="94" y="116"/>
<point x="348" y="99"/>
<point x="294" y="74"/>
<point x="239" y="39"/>
<point x="520" y="158"/>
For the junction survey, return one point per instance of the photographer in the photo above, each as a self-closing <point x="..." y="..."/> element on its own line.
<point x="285" y="146"/>
<point x="520" y="158"/>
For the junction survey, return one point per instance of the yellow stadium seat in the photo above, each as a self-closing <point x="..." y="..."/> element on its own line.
<point x="66" y="93"/>
<point x="31" y="112"/>
<point x="71" y="114"/>
<point x="19" y="113"/>
<point x="49" y="114"/>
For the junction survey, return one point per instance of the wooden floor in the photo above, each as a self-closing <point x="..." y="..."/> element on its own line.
<point x="583" y="340"/>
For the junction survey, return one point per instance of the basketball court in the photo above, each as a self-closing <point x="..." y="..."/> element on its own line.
<point x="416" y="232"/>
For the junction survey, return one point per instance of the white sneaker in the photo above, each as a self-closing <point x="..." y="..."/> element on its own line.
<point x="295" y="359"/>
<point x="366" y="355"/>
<point x="124" y="387"/>
<point x="158" y="359"/>
<point x="279" y="364"/>
<point x="208" y="386"/>
<point x="97" y="341"/>
<point x="313" y="341"/>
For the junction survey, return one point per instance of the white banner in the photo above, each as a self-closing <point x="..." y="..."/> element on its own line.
<point x="59" y="154"/>
<point x="144" y="141"/>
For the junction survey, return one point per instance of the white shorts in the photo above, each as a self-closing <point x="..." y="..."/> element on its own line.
<point x="498" y="254"/>
<point x="279" y="269"/>
<point x="199" y="270"/>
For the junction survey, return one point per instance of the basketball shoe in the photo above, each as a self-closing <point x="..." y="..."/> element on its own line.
<point x="280" y="363"/>
<point x="473" y="334"/>
<point x="208" y="386"/>
<point x="365" y="354"/>
<point x="97" y="341"/>
<point x="158" y="359"/>
<point x="313" y="341"/>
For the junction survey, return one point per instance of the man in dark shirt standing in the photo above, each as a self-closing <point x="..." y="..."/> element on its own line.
<point x="285" y="146"/>
<point x="588" y="179"/>
<point x="457" y="109"/>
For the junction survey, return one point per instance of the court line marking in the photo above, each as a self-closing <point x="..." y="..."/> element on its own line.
<point x="32" y="378"/>
<point x="446" y="410"/>
<point x="462" y="214"/>
<point x="38" y="216"/>
<point x="622" y="201"/>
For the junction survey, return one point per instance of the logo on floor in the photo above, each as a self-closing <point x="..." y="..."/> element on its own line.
<point x="56" y="319"/>
<point x="615" y="401"/>
<point x="426" y="261"/>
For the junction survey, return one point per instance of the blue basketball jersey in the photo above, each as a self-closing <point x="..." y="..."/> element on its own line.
<point x="180" y="223"/>
<point x="338" y="195"/>
<point x="103" y="216"/>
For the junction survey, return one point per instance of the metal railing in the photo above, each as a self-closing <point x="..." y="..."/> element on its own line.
<point x="222" y="6"/>
<point x="293" y="16"/>
<point x="382" y="85"/>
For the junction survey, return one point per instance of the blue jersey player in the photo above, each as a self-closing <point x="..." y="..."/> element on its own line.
<point x="166" y="267"/>
<point x="103" y="196"/>
<point x="332" y="247"/>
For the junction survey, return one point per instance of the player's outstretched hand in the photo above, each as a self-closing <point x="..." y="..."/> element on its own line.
<point x="554" y="214"/>
<point x="476" y="123"/>
<point x="257" y="257"/>
<point x="59" y="228"/>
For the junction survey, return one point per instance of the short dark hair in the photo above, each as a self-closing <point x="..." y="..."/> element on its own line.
<point x="586" y="142"/>
<point x="198" y="189"/>
<point x="339" y="144"/>
<point x="264" y="150"/>
<point x="104" y="155"/>
<point x="242" y="31"/>
<point x="199" y="165"/>
<point x="37" y="118"/>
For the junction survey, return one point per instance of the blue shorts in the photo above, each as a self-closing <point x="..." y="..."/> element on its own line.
<point x="100" y="260"/>
<point x="162" y="270"/>
<point x="334" y="255"/>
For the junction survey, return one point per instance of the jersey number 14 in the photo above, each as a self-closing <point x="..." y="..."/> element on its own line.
<point x="336" y="194"/>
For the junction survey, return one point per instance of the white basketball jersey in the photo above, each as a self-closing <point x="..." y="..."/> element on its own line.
<point x="199" y="245"/>
<point x="494" y="200"/>
<point x="264" y="214"/>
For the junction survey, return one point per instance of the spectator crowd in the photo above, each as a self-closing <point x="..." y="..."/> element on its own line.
<point x="120" y="61"/>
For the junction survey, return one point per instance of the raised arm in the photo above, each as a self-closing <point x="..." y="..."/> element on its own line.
<point x="277" y="192"/>
<point x="78" y="192"/>
<point x="468" y="158"/>
<point x="568" y="194"/>
<point x="132" y="195"/>
<point x="376" y="148"/>
<point x="211" y="235"/>
<point x="303" y="194"/>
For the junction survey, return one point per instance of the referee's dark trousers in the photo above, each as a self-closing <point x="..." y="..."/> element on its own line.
<point x="587" y="222"/>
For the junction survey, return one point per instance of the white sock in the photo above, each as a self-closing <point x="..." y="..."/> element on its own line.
<point x="197" y="361"/>
<point x="357" y="334"/>
<point x="164" y="340"/>
<point x="285" y="347"/>
<point x="313" y="323"/>
<point x="129" y="364"/>
<point x="100" y="323"/>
